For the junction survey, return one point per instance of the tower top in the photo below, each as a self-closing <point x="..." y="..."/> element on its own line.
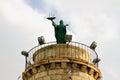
<point x="64" y="60"/>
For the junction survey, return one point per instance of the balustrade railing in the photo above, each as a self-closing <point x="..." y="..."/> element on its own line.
<point x="92" y="54"/>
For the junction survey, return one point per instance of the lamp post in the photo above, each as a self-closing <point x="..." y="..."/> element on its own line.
<point x="41" y="40"/>
<point x="24" y="53"/>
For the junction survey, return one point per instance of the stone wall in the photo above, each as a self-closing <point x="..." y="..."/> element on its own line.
<point x="61" y="62"/>
<point x="61" y="50"/>
<point x="62" y="69"/>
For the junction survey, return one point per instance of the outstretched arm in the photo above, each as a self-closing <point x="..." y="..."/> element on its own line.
<point x="53" y="23"/>
<point x="51" y="19"/>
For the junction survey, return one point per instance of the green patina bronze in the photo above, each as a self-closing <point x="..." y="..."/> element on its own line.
<point x="60" y="31"/>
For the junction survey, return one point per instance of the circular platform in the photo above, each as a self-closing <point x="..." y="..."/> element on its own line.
<point x="61" y="51"/>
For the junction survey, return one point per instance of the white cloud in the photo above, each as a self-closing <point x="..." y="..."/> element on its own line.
<point x="94" y="20"/>
<point x="87" y="18"/>
<point x="20" y="25"/>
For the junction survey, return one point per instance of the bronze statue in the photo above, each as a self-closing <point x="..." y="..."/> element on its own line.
<point x="60" y="30"/>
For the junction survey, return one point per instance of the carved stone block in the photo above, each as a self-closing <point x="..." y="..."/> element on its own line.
<point x="63" y="65"/>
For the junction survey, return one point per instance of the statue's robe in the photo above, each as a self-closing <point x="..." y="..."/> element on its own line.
<point x="60" y="32"/>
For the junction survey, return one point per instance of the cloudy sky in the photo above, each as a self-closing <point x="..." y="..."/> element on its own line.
<point x="22" y="21"/>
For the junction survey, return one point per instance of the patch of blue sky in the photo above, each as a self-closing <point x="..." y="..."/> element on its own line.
<point x="50" y="11"/>
<point x="42" y="7"/>
<point x="37" y="4"/>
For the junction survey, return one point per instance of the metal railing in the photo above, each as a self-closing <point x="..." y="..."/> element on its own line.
<point x="92" y="53"/>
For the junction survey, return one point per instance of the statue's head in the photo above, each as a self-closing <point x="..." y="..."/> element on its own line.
<point x="61" y="21"/>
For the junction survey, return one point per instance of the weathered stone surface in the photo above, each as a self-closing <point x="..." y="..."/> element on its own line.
<point x="34" y="70"/>
<point x="96" y="75"/>
<point x="52" y="66"/>
<point x="66" y="77"/>
<point x="99" y="79"/>
<point x="83" y="68"/>
<point x="55" y="72"/>
<point x="91" y="72"/>
<point x="25" y="78"/>
<point x="63" y="65"/>
<point x="65" y="70"/>
<point x="56" y="77"/>
<point x="61" y="62"/>
<point x="76" y="78"/>
<point x="61" y="50"/>
<point x="43" y="74"/>
<point x="28" y="74"/>
<point x="42" y="68"/>
<point x="31" y="78"/>
<point x="40" y="79"/>
<point x="60" y="71"/>
<point x="75" y="73"/>
<point x="51" y="72"/>
<point x="37" y="75"/>
<point x="74" y="66"/>
<point x="46" y="78"/>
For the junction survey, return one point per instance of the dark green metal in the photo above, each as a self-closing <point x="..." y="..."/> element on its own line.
<point x="60" y="30"/>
